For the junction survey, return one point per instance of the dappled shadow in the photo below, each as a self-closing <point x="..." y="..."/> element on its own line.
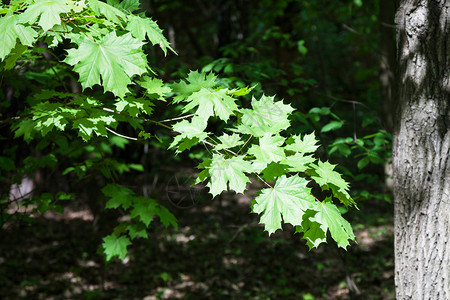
<point x="219" y="252"/>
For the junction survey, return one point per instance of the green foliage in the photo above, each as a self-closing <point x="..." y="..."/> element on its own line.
<point x="104" y="44"/>
<point x="114" y="59"/>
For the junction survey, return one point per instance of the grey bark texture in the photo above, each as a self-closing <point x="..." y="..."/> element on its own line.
<point x="421" y="151"/>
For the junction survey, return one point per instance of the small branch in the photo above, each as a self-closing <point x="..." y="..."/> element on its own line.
<point x="263" y="180"/>
<point x="14" y="118"/>
<point x="248" y="140"/>
<point x="175" y="119"/>
<point x="81" y="30"/>
<point x="121" y="135"/>
<point x="212" y="145"/>
<point x="137" y="118"/>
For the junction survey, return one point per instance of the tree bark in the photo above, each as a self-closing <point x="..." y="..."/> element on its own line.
<point x="421" y="153"/>
<point x="387" y="62"/>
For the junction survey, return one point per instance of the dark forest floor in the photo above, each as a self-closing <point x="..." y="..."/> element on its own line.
<point x="219" y="252"/>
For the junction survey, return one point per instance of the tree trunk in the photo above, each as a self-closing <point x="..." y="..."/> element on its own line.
<point x="421" y="154"/>
<point x="387" y="62"/>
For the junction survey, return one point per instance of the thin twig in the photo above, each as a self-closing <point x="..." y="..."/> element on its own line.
<point x="248" y="140"/>
<point x="178" y="118"/>
<point x="263" y="180"/>
<point x="121" y="135"/>
<point x="212" y="145"/>
<point x="137" y="118"/>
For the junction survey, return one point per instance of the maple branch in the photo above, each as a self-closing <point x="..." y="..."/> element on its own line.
<point x="248" y="140"/>
<point x="263" y="180"/>
<point x="121" y="135"/>
<point x="178" y="118"/>
<point x="137" y="118"/>
<point x="81" y="30"/>
<point x="212" y="145"/>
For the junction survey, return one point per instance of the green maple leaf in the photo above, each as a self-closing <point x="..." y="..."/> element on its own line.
<point x="14" y="55"/>
<point x="241" y="91"/>
<point x="274" y="170"/>
<point x="305" y="145"/>
<point x="229" y="141"/>
<point x="10" y="31"/>
<point x="287" y="200"/>
<point x="114" y="59"/>
<point x="120" y="196"/>
<point x="115" y="246"/>
<point x="267" y="116"/>
<point x="27" y="128"/>
<point x="166" y="217"/>
<point x="298" y="162"/>
<point x="47" y="11"/>
<point x="327" y="177"/>
<point x="195" y="81"/>
<point x="137" y="229"/>
<point x="126" y="5"/>
<point x="313" y="232"/>
<point x="269" y="149"/>
<point x="211" y="103"/>
<point x="145" y="209"/>
<point x="228" y="172"/>
<point x="95" y="123"/>
<point x="330" y="218"/>
<point x="194" y="130"/>
<point x="134" y="106"/>
<point x="110" y="12"/>
<point x="140" y="27"/>
<point x="154" y="88"/>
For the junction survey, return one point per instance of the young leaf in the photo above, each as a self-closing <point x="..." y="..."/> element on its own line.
<point x="10" y="31"/>
<point x="326" y="177"/>
<point x="126" y="5"/>
<point x="154" y="88"/>
<point x="137" y="229"/>
<point x="314" y="233"/>
<point x="287" y="200"/>
<point x="143" y="26"/>
<point x="333" y="125"/>
<point x="306" y="145"/>
<point x="329" y="216"/>
<point x="115" y="246"/>
<point x="110" y="12"/>
<point x="114" y="59"/>
<point x="166" y="217"/>
<point x="195" y="81"/>
<point x="144" y="208"/>
<point x="267" y="116"/>
<point x="120" y="196"/>
<point x="47" y="11"/>
<point x="228" y="171"/>
<point x="269" y="149"/>
<point x="211" y="103"/>
<point x="189" y="130"/>
<point x="228" y="141"/>
<point x="298" y="162"/>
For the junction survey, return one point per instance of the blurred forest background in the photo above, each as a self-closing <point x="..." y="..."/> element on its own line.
<point x="332" y="60"/>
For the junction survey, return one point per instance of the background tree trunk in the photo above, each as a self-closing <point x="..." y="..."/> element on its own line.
<point x="421" y="154"/>
<point x="387" y="62"/>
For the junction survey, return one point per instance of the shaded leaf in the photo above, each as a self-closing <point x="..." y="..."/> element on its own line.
<point x="115" y="246"/>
